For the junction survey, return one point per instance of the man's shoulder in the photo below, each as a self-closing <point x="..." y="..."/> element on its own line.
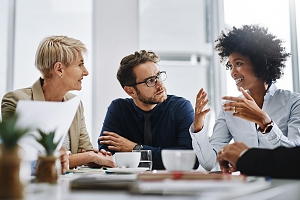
<point x="121" y="104"/>
<point x="122" y="101"/>
<point x="176" y="99"/>
<point x="177" y="102"/>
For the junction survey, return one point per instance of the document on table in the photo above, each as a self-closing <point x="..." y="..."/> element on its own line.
<point x="218" y="189"/>
<point x="103" y="181"/>
<point x="46" y="116"/>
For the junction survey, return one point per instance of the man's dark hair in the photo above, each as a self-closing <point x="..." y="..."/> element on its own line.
<point x="263" y="49"/>
<point x="125" y="73"/>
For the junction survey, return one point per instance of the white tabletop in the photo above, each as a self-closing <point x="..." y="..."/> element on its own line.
<point x="212" y="190"/>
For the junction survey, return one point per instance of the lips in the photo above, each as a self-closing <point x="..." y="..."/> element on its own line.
<point x="160" y="92"/>
<point x="238" y="80"/>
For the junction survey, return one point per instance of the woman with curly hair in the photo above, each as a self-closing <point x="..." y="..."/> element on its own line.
<point x="262" y="116"/>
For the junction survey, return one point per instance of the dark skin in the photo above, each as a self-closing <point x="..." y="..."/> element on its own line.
<point x="248" y="107"/>
<point x="229" y="155"/>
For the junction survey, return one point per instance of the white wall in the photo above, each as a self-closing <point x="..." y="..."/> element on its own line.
<point x="115" y="36"/>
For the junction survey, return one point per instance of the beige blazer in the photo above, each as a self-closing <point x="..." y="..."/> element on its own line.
<point x="79" y="137"/>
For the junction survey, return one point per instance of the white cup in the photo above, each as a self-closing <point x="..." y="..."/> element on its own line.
<point x="127" y="159"/>
<point x="178" y="160"/>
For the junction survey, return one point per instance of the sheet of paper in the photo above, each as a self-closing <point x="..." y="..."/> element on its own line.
<point x="208" y="189"/>
<point x="46" y="116"/>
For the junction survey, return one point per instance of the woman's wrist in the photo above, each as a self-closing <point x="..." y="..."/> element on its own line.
<point x="198" y="128"/>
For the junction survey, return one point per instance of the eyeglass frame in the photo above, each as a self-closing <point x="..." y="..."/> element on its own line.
<point x="147" y="79"/>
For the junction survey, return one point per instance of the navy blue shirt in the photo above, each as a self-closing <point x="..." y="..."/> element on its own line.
<point x="170" y="122"/>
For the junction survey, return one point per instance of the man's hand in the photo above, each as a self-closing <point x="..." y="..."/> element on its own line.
<point x="116" y="142"/>
<point x="229" y="155"/>
<point x="64" y="160"/>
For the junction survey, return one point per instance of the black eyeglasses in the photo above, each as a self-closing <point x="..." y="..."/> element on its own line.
<point x="151" y="81"/>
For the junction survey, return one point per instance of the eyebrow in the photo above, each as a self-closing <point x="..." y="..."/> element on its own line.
<point x="238" y="59"/>
<point x="151" y="76"/>
<point x="228" y="62"/>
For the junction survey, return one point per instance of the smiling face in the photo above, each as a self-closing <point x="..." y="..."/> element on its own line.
<point x="242" y="72"/>
<point x="73" y="74"/>
<point x="147" y="97"/>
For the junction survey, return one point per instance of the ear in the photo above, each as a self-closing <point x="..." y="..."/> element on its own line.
<point x="57" y="68"/>
<point x="130" y="91"/>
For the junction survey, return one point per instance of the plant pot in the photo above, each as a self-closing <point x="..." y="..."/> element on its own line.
<point x="10" y="184"/>
<point x="46" y="170"/>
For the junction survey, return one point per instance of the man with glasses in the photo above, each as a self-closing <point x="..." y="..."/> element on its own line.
<point x="125" y="124"/>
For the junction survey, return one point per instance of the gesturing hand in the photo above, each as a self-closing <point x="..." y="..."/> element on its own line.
<point x="116" y="142"/>
<point x="200" y="111"/>
<point x="246" y="108"/>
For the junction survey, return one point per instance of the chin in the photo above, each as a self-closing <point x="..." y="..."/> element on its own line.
<point x="77" y="89"/>
<point x="162" y="99"/>
<point x="238" y="87"/>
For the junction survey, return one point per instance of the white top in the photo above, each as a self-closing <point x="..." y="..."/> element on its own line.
<point x="282" y="106"/>
<point x="67" y="142"/>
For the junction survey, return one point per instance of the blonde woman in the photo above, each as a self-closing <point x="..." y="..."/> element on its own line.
<point x="61" y="64"/>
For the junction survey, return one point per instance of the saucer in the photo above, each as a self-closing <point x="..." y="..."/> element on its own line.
<point x="128" y="170"/>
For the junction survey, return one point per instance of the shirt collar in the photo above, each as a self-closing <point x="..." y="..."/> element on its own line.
<point x="37" y="91"/>
<point x="271" y="91"/>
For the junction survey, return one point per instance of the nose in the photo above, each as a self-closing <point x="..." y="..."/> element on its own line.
<point x="233" y="71"/>
<point x="85" y="71"/>
<point x="159" y="82"/>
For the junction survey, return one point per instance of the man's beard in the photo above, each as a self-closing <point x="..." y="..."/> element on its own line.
<point x="149" y="100"/>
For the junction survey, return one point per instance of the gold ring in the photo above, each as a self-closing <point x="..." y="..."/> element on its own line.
<point x="222" y="151"/>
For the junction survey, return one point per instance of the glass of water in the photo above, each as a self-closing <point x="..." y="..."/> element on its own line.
<point x="146" y="158"/>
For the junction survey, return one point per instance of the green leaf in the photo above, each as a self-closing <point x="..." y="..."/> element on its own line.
<point x="47" y="141"/>
<point x="10" y="134"/>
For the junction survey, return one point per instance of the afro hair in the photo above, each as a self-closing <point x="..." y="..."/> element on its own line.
<point x="263" y="49"/>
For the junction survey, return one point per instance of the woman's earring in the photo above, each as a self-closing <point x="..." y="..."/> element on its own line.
<point x="61" y="76"/>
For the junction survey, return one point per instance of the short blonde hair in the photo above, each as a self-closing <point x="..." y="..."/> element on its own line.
<point x="57" y="49"/>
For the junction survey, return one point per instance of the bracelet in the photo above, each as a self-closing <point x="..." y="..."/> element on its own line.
<point x="242" y="153"/>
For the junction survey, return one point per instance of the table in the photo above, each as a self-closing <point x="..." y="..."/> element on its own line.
<point x="279" y="189"/>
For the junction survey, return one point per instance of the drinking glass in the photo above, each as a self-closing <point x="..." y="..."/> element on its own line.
<point x="146" y="158"/>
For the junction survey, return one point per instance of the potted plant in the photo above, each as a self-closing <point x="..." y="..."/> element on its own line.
<point x="10" y="184"/>
<point x="48" y="164"/>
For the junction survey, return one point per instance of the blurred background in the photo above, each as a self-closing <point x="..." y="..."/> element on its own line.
<point x="182" y="32"/>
